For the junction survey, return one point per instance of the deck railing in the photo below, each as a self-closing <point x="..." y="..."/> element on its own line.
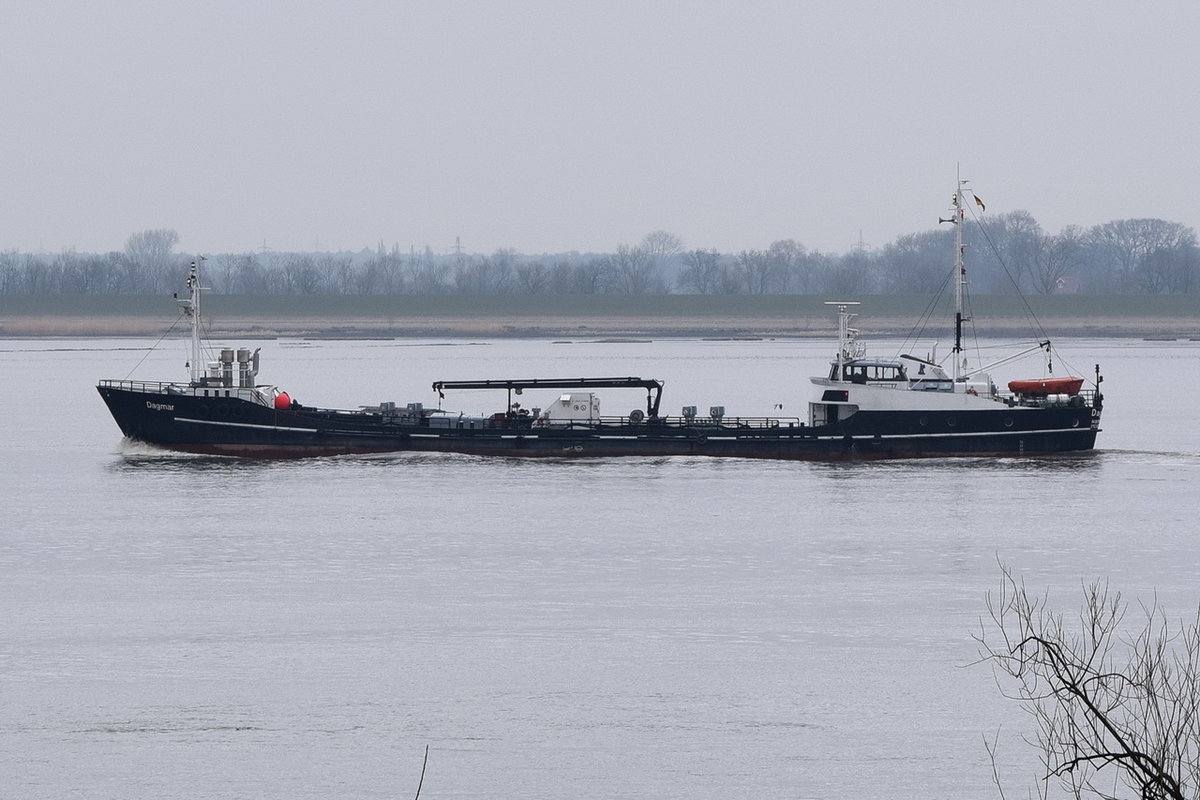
<point x="138" y="386"/>
<point x="1086" y="397"/>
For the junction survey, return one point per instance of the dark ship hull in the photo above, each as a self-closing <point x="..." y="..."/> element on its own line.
<point x="161" y="415"/>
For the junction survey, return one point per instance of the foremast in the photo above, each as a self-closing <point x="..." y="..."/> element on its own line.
<point x="191" y="308"/>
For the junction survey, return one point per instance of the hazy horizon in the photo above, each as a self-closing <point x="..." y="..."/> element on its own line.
<point x="577" y="127"/>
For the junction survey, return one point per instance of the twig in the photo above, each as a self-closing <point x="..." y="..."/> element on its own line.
<point x="422" y="780"/>
<point x="991" y="751"/>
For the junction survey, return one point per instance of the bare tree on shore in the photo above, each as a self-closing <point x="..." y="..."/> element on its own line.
<point x="150" y="259"/>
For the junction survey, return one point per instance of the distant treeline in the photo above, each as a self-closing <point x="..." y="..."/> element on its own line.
<point x="1007" y="254"/>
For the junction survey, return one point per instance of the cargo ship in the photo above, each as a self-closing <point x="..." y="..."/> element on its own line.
<point x="862" y="408"/>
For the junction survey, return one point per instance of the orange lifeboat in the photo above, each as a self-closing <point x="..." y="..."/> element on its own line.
<point x="1040" y="387"/>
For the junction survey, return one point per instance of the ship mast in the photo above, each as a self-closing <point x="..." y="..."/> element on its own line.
<point x="960" y="278"/>
<point x="849" y="348"/>
<point x="191" y="307"/>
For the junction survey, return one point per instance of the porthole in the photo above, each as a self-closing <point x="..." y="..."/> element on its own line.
<point x="951" y="422"/>
<point x="924" y="421"/>
<point x="1008" y="422"/>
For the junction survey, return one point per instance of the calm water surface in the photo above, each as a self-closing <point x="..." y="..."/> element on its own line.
<point x="178" y="627"/>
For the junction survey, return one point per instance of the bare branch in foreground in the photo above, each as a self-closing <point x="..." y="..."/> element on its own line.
<point x="1114" y="703"/>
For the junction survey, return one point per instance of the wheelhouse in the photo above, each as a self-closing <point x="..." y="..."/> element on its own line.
<point x="862" y="371"/>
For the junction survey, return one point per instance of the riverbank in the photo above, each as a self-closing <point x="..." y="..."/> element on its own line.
<point x="593" y="316"/>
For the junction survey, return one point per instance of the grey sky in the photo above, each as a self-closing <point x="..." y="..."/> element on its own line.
<point x="554" y="126"/>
